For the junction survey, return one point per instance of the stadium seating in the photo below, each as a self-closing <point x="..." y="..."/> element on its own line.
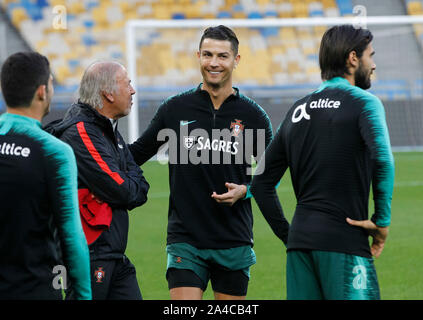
<point x="95" y="30"/>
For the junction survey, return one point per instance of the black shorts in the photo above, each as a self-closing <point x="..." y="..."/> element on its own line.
<point x="114" y="280"/>
<point x="227" y="269"/>
<point x="229" y="282"/>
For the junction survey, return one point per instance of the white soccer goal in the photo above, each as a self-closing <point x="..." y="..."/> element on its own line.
<point x="387" y="26"/>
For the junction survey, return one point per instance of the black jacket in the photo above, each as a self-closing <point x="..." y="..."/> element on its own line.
<point x="107" y="169"/>
<point x="207" y="148"/>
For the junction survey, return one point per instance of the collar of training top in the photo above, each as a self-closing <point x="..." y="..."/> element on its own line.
<point x="335" y="81"/>
<point x="236" y="94"/>
<point x="19" y="118"/>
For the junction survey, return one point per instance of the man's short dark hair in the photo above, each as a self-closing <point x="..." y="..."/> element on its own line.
<point x="336" y="45"/>
<point x="221" y="33"/>
<point x="22" y="73"/>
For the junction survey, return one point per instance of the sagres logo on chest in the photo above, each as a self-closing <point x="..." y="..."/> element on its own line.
<point x="234" y="145"/>
<point x="189" y="141"/>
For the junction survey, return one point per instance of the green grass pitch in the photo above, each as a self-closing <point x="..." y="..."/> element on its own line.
<point x="398" y="268"/>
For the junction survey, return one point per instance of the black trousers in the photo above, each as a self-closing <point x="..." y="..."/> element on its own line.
<point x="114" y="280"/>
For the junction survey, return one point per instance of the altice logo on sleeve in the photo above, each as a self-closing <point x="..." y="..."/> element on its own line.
<point x="14" y="150"/>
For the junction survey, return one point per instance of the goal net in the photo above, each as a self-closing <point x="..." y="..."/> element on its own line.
<point x="279" y="64"/>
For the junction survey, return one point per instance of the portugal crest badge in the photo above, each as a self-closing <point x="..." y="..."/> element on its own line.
<point x="99" y="274"/>
<point x="236" y="127"/>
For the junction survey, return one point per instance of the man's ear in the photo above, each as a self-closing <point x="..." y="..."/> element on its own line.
<point x="237" y="58"/>
<point x="41" y="92"/>
<point x="353" y="61"/>
<point x="108" y="96"/>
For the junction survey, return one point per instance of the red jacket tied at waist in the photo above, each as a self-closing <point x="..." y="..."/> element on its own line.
<point x="95" y="217"/>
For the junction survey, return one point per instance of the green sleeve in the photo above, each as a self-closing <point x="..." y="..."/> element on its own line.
<point x="374" y="132"/>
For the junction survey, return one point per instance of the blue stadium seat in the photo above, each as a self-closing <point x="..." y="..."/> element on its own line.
<point x="92" y="4"/>
<point x="254" y="15"/>
<point x="88" y="40"/>
<point x="224" y="15"/>
<point x="237" y="8"/>
<point x="178" y="16"/>
<point x="269" y="32"/>
<point x="42" y="3"/>
<point x="89" y="24"/>
<point x="74" y="63"/>
<point x="71" y="17"/>
<point x="117" y="55"/>
<point x="33" y="10"/>
<point x="316" y="13"/>
<point x="345" y="7"/>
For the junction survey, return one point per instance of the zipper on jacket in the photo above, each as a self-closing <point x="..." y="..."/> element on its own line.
<point x="213" y="110"/>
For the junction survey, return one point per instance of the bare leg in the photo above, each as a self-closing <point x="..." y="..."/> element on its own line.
<point x="223" y="296"/>
<point x="186" y="293"/>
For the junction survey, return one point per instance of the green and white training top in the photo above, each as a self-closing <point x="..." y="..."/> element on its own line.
<point x="336" y="144"/>
<point x="40" y="227"/>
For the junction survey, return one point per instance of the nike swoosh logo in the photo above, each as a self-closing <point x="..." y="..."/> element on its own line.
<point x="184" y="123"/>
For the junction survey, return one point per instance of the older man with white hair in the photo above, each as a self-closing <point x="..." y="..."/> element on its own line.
<point x="109" y="181"/>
